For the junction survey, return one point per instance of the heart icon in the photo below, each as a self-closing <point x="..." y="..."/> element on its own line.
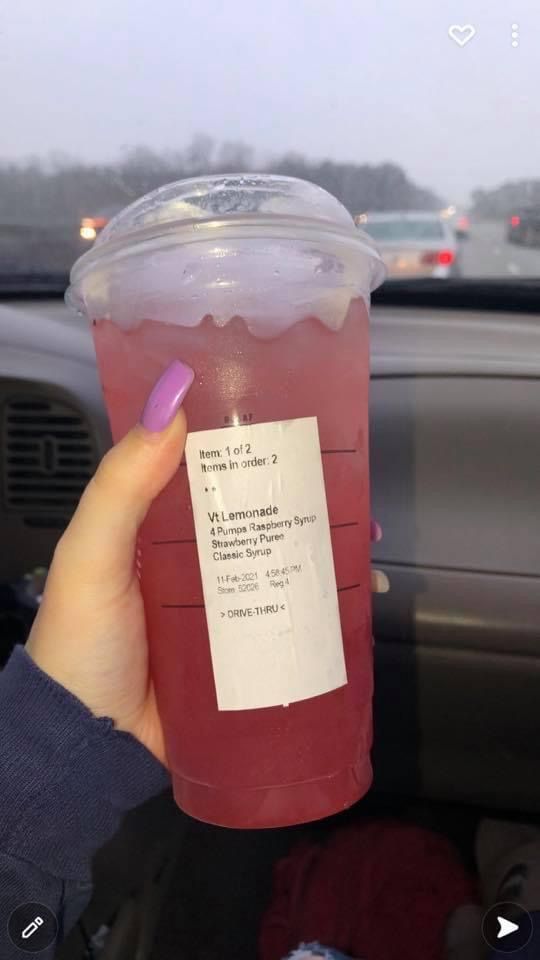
<point x="461" y="34"/>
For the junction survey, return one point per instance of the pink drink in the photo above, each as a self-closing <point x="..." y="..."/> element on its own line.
<point x="291" y="761"/>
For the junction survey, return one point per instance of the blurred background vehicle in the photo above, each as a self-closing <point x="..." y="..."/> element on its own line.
<point x="458" y="221"/>
<point x="524" y="226"/>
<point x="91" y="226"/>
<point x="413" y="243"/>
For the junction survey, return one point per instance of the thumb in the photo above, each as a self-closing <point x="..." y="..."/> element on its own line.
<point x="98" y="546"/>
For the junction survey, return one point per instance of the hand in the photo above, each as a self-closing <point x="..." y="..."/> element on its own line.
<point x="90" y="631"/>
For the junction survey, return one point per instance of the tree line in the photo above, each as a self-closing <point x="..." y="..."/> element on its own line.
<point x="505" y="199"/>
<point x="62" y="190"/>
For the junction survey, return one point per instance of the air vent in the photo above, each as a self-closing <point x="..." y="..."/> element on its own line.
<point x="49" y="457"/>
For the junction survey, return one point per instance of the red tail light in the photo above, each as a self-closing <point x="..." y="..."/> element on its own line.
<point x="442" y="258"/>
<point x="515" y="221"/>
<point x="97" y="223"/>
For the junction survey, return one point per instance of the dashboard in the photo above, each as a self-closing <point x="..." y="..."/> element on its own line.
<point x="455" y="468"/>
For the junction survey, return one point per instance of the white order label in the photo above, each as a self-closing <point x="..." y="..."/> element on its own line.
<point x="263" y="538"/>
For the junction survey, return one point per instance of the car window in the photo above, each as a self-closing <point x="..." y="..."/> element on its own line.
<point x="403" y="230"/>
<point x="391" y="107"/>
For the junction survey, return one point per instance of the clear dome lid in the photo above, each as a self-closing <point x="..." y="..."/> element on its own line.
<point x="269" y="248"/>
<point x="232" y="196"/>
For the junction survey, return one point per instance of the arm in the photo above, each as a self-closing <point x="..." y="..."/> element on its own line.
<point x="66" y="779"/>
<point x="81" y="740"/>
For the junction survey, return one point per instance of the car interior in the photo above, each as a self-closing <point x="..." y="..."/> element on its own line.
<point x="453" y="414"/>
<point x="454" y="452"/>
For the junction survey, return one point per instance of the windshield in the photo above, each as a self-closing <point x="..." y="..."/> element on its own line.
<point x="391" y="107"/>
<point x="397" y="231"/>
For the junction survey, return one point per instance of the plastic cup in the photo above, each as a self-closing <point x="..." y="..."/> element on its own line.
<point x="255" y="561"/>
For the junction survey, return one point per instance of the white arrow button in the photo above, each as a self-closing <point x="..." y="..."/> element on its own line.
<point x="506" y="927"/>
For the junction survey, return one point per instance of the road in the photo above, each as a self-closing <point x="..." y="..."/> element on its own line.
<point x="487" y="254"/>
<point x="38" y="249"/>
<point x="484" y="254"/>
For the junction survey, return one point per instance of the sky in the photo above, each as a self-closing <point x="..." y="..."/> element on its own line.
<point x="362" y="81"/>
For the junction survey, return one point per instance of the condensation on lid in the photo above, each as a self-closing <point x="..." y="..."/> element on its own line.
<point x="217" y="197"/>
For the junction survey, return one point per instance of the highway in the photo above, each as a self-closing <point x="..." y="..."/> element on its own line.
<point x="486" y="253"/>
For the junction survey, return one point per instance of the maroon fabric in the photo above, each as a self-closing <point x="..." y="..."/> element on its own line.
<point x="379" y="890"/>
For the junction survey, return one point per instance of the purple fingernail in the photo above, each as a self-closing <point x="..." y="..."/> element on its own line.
<point x="166" y="397"/>
<point x="375" y="531"/>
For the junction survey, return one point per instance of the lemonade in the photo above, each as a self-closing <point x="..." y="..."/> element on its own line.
<point x="232" y="767"/>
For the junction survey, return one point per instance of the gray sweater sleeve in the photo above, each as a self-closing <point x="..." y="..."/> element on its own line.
<point x="66" y="779"/>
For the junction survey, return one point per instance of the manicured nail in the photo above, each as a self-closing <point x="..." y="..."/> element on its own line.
<point x="375" y="531"/>
<point x="167" y="396"/>
<point x="379" y="582"/>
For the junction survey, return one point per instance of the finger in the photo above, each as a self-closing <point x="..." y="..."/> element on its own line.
<point x="99" y="543"/>
<point x="379" y="582"/>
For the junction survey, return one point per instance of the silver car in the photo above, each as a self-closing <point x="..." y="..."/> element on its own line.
<point x="413" y="244"/>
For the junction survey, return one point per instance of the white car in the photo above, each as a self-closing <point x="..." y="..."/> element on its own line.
<point x="413" y="244"/>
